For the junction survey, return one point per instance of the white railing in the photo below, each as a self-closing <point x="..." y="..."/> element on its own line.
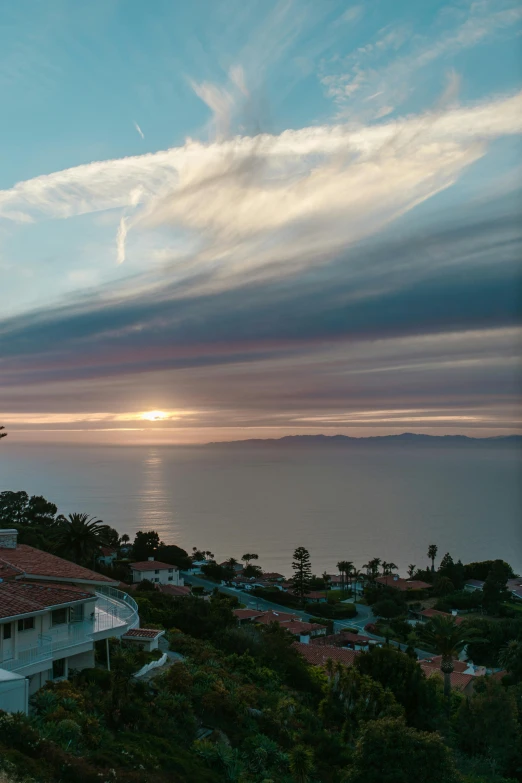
<point x="114" y="609"/>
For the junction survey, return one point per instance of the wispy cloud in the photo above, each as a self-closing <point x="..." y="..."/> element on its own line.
<point x="139" y="130"/>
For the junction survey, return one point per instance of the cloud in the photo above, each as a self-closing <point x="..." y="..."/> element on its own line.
<point x="139" y="129"/>
<point x="120" y="240"/>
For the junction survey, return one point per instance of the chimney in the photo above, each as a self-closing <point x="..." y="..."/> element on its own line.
<point x="150" y="558"/>
<point x="8" y="538"/>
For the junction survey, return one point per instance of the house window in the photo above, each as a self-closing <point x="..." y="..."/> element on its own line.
<point x="8" y="631"/>
<point x="59" y="669"/>
<point x="157" y="580"/>
<point x="156" y="571"/>
<point x="59" y="617"/>
<point x="77" y="613"/>
<point x="171" y="578"/>
<point x="27" y="624"/>
<point x="171" y="570"/>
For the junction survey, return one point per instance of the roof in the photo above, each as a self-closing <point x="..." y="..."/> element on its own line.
<point x="300" y="627"/>
<point x="355" y="638"/>
<point x="176" y="591"/>
<point x="32" y="562"/>
<point x="475" y="582"/>
<point x="272" y="575"/>
<point x="143" y="633"/>
<point x="107" y="551"/>
<point x="458" y="666"/>
<point x="247" y="614"/>
<point x="402" y="584"/>
<point x="459" y="681"/>
<point x="276" y="617"/>
<point x="319" y="654"/>
<point x="434" y="612"/>
<point x="20" y="598"/>
<point x="151" y="565"/>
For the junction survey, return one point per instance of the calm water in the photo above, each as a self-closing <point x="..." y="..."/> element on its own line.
<point x="341" y="504"/>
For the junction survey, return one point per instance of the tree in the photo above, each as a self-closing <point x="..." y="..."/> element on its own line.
<point x="388" y="568"/>
<point x="510" y="658"/>
<point x="432" y="554"/>
<point x="125" y="539"/>
<point x="495" y="587"/>
<point x="372" y="568"/>
<point x="448" y="639"/>
<point x="80" y="537"/>
<point x="389" y="750"/>
<point x="387" y="608"/>
<point x="301" y="760"/>
<point x="302" y="572"/>
<point x="411" y="570"/>
<point x="173" y="555"/>
<point x="145" y="545"/>
<point x="443" y="586"/>
<point x="345" y="568"/>
<point x="252" y="571"/>
<point x="248" y="557"/>
<point x="231" y="562"/>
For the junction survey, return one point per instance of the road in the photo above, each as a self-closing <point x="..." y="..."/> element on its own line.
<point x="364" y="613"/>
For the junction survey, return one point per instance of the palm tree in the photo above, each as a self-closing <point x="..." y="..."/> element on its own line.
<point x="510" y="656"/>
<point x="411" y="570"/>
<point x="432" y="554"/>
<point x="344" y="566"/>
<point x="449" y="639"/>
<point x="372" y="568"/>
<point x="356" y="577"/>
<point x="231" y="562"/>
<point x="125" y="539"/>
<point x="301" y="763"/>
<point x="80" y="537"/>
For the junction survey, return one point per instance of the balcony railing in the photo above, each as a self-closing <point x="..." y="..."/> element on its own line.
<point x="114" y="610"/>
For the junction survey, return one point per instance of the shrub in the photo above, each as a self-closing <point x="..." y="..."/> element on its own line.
<point x="333" y="611"/>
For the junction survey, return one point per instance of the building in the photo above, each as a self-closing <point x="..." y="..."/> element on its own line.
<point x="175" y="591"/>
<point x="404" y="585"/>
<point x="425" y="615"/>
<point x="154" y="571"/>
<point x="52" y="612"/>
<point x="320" y="654"/>
<point x="107" y="555"/>
<point x="291" y="622"/>
<point x="146" y="638"/>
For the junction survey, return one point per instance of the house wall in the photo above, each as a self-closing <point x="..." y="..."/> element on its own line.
<point x="162" y="576"/>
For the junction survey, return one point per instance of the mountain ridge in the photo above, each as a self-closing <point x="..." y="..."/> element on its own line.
<point x="348" y="440"/>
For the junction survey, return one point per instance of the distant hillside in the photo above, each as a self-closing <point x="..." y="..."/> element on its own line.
<point x="406" y="438"/>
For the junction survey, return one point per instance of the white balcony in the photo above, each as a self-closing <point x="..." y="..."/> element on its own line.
<point x="115" y="612"/>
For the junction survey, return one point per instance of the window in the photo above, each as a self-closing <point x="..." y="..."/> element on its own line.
<point x="27" y="624"/>
<point x="8" y="631"/>
<point x="171" y="578"/>
<point x="157" y="579"/>
<point x="156" y="571"/>
<point x="77" y="613"/>
<point x="58" y="669"/>
<point x="171" y="570"/>
<point x="59" y="617"/>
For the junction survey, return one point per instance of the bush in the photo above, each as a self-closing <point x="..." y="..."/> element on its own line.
<point x="333" y="611"/>
<point x="387" y="609"/>
<point x="460" y="599"/>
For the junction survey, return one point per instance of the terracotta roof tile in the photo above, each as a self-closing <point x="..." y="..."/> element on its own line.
<point x="319" y="654"/>
<point x="143" y="633"/>
<point x="459" y="680"/>
<point x="176" y="591"/>
<point x="434" y="612"/>
<point x="19" y="598"/>
<point x="34" y="562"/>
<point x="151" y="565"/>
<point x="247" y="614"/>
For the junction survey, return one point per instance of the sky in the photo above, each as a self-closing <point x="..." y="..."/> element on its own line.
<point x="224" y="220"/>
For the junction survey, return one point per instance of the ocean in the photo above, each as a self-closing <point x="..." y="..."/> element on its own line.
<point x="341" y="503"/>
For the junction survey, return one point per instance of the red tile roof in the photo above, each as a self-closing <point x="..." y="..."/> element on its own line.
<point x="143" y="633"/>
<point x="19" y="598"/>
<point x="402" y="584"/>
<point x="272" y="575"/>
<point x="247" y="614"/>
<point x="318" y="654"/>
<point x="151" y="565"/>
<point x="34" y="562"/>
<point x="107" y="551"/>
<point x="301" y="628"/>
<point x="458" y="666"/>
<point x="276" y="617"/>
<point x="176" y="591"/>
<point x="459" y="681"/>
<point x="355" y="638"/>
<point x="434" y="612"/>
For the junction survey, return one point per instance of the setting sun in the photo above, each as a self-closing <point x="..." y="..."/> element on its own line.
<point x="154" y="415"/>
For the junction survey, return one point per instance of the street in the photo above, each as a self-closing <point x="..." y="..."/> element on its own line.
<point x="364" y="613"/>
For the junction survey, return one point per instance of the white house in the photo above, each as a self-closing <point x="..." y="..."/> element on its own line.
<point x="51" y="613"/>
<point x="154" y="571"/>
<point x="107" y="555"/>
<point x="146" y="638"/>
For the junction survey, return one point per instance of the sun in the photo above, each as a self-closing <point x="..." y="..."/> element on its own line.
<point x="154" y="415"/>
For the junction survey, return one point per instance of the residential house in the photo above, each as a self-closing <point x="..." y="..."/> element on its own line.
<point x="304" y="630"/>
<point x="404" y="585"/>
<point x="272" y="576"/>
<point x="237" y="567"/>
<point x="107" y="555"/>
<point x="348" y="639"/>
<point x="52" y="612"/>
<point x="425" y="615"/>
<point x="515" y="587"/>
<point x="154" y="571"/>
<point x="197" y="565"/>
<point x="175" y="591"/>
<point x="146" y="638"/>
<point x="319" y="655"/>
